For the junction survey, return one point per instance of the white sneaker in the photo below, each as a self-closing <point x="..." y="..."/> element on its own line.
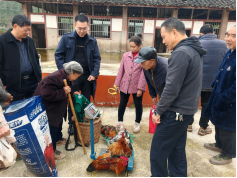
<point x="136" y="127"/>
<point x="119" y="126"/>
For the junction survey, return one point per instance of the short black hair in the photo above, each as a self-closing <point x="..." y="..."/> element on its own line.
<point x="21" y="20"/>
<point x="152" y="55"/>
<point x="174" y="23"/>
<point x="205" y="29"/>
<point x="137" y="39"/>
<point x="81" y="18"/>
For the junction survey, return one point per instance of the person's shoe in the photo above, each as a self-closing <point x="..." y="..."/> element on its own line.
<point x="220" y="159"/>
<point x="119" y="126"/>
<point x="62" y="142"/>
<point x="189" y="129"/>
<point x="203" y="131"/>
<point x="58" y="155"/>
<point x="136" y="127"/>
<point x="212" y="146"/>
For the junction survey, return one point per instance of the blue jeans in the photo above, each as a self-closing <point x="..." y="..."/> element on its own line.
<point x="169" y="142"/>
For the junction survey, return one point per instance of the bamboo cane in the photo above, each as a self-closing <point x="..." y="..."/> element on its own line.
<point x="74" y="115"/>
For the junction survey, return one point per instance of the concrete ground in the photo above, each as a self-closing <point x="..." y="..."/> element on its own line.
<point x="76" y="162"/>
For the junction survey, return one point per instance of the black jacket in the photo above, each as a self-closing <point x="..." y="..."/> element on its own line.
<point x="156" y="79"/>
<point x="184" y="78"/>
<point x="10" y="60"/>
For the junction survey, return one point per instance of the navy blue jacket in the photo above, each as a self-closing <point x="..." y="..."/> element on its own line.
<point x="216" y="50"/>
<point x="67" y="49"/>
<point x="221" y="108"/>
<point x="156" y="80"/>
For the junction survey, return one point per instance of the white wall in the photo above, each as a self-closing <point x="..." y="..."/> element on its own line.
<point x="229" y="24"/>
<point x="196" y="26"/>
<point x="51" y="21"/>
<point x="149" y="26"/>
<point x="117" y="25"/>
<point x="36" y="18"/>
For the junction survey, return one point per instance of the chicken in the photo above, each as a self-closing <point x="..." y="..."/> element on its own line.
<point x="120" y="148"/>
<point x="115" y="159"/>
<point x="108" y="131"/>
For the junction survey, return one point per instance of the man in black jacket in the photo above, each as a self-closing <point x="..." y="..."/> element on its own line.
<point x="155" y="70"/>
<point x="180" y="97"/>
<point x="19" y="62"/>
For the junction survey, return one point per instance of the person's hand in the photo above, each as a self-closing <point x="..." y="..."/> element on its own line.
<point x="4" y="131"/>
<point x="9" y="98"/>
<point x="91" y="78"/>
<point x="156" y="119"/>
<point x="7" y="103"/>
<point x="67" y="89"/>
<point x="5" y="87"/>
<point x="154" y="100"/>
<point x="76" y="93"/>
<point x="117" y="89"/>
<point x="139" y="93"/>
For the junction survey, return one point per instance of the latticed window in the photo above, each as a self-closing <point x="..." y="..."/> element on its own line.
<point x="216" y="27"/>
<point x="135" y="27"/>
<point x="100" y="28"/>
<point x="65" y="25"/>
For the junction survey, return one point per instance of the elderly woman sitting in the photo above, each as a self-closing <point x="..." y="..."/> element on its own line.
<point x="54" y="97"/>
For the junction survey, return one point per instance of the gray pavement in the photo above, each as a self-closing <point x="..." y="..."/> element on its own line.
<point x="76" y="162"/>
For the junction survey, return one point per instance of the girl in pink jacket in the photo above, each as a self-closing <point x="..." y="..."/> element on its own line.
<point x="131" y="80"/>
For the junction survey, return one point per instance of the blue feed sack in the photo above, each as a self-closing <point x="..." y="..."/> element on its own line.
<point x="29" y="120"/>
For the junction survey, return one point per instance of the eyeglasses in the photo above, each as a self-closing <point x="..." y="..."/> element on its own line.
<point x="82" y="29"/>
<point x="227" y="35"/>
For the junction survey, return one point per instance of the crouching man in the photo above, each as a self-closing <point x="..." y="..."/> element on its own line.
<point x="180" y="95"/>
<point x="155" y="70"/>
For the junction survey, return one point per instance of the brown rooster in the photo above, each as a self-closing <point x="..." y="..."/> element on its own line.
<point x="115" y="159"/>
<point x="108" y="131"/>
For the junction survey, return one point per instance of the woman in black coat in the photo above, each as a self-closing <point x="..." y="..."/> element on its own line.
<point x="54" y="97"/>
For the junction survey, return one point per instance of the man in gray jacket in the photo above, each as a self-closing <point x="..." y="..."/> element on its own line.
<point x="180" y="96"/>
<point x="216" y="50"/>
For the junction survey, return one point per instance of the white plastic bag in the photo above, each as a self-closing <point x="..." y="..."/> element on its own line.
<point x="7" y="152"/>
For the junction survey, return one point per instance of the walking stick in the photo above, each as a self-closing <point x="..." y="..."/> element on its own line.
<point x="74" y="115"/>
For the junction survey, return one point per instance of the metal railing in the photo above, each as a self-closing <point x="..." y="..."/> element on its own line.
<point x="216" y="27"/>
<point x="65" y="25"/>
<point x="134" y="27"/>
<point x="100" y="28"/>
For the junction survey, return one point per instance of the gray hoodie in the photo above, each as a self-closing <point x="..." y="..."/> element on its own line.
<point x="184" y="78"/>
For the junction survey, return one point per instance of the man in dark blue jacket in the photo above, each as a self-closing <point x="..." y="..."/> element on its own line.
<point x="155" y="70"/>
<point x="81" y="47"/>
<point x="221" y="108"/>
<point x="216" y="50"/>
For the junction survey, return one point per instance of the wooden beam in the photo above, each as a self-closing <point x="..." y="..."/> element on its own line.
<point x="192" y="14"/>
<point x="93" y="10"/>
<point x="157" y="15"/>
<point x="175" y="13"/>
<point x="224" y="22"/>
<point x="208" y="14"/>
<point x="107" y="10"/>
<point x="142" y="12"/>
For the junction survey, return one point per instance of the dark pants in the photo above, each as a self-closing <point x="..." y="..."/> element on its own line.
<point x="56" y="134"/>
<point x="169" y="142"/>
<point x="123" y="103"/>
<point x="205" y="96"/>
<point x="81" y="83"/>
<point x="226" y="140"/>
<point x="28" y="87"/>
<point x="203" y="122"/>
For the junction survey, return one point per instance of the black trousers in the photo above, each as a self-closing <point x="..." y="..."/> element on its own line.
<point x="226" y="140"/>
<point x="169" y="142"/>
<point x="81" y="83"/>
<point x="123" y="103"/>
<point x="56" y="134"/>
<point x="203" y="122"/>
<point x="28" y="87"/>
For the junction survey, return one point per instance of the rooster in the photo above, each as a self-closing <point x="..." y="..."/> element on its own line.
<point x="108" y="131"/>
<point x="115" y="159"/>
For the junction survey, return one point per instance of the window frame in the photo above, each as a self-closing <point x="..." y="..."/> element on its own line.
<point x="140" y="19"/>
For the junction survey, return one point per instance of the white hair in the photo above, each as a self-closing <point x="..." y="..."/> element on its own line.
<point x="73" y="67"/>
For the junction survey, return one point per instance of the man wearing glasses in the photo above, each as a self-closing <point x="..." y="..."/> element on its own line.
<point x="221" y="109"/>
<point x="81" y="47"/>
